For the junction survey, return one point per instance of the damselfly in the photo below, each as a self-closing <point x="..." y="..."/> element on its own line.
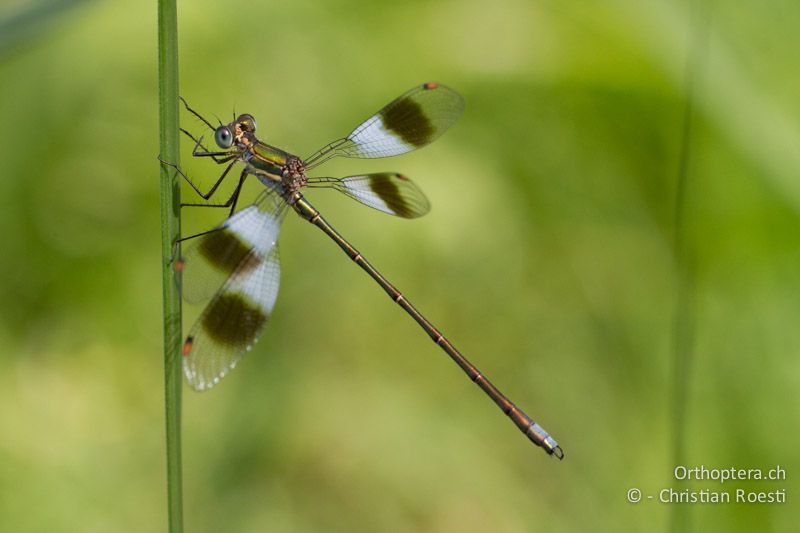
<point x="236" y="265"/>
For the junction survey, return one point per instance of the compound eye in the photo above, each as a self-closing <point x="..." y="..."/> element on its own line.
<point x="247" y="122"/>
<point x="224" y="137"/>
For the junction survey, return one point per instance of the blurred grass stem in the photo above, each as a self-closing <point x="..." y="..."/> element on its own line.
<point x="685" y="258"/>
<point x="170" y="232"/>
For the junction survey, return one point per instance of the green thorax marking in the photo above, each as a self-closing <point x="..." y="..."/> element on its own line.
<point x="389" y="192"/>
<point x="407" y="120"/>
<point x="268" y="158"/>
<point x="231" y="320"/>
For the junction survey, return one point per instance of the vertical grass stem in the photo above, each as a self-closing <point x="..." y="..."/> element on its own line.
<point x="170" y="232"/>
<point x="685" y="318"/>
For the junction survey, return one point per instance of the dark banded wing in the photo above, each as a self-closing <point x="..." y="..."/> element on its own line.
<point x="240" y="243"/>
<point x="238" y="265"/>
<point x="411" y="121"/>
<point x="231" y="323"/>
<point x="387" y="191"/>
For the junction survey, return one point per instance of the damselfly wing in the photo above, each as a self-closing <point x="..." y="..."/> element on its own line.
<point x="237" y="267"/>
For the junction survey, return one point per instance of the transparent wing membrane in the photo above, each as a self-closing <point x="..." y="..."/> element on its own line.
<point x="238" y="265"/>
<point x="388" y="192"/>
<point x="411" y="121"/>
<point x="231" y="323"/>
<point x="244" y="239"/>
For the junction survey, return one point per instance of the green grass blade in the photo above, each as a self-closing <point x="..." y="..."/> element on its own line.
<point x="685" y="260"/>
<point x="170" y="232"/>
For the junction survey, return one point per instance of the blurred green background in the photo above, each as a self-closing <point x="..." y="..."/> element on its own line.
<point x="548" y="258"/>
